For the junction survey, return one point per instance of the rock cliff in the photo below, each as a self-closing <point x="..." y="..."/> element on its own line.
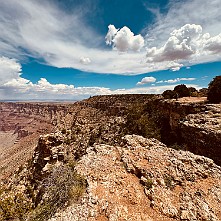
<point x="189" y="125"/>
<point x="201" y="132"/>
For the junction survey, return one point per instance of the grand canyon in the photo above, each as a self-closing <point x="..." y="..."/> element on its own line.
<point x="116" y="157"/>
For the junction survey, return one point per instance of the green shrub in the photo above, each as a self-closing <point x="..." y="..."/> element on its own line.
<point x="168" y="180"/>
<point x="60" y="188"/>
<point x="14" y="205"/>
<point x="192" y="91"/>
<point x="140" y="122"/>
<point x="214" y="90"/>
<point x="203" y="92"/>
<point x="182" y="90"/>
<point x="149" y="183"/>
<point x="169" y="94"/>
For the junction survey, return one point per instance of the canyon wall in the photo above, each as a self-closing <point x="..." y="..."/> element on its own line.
<point x="21" y="124"/>
<point x="190" y="126"/>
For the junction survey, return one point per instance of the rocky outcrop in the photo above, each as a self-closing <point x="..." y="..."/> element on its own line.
<point x="142" y="179"/>
<point x="201" y="132"/>
<point x="138" y="179"/>
<point x="188" y="125"/>
<point x="51" y="148"/>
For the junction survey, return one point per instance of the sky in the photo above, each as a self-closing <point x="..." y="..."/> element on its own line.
<point x="74" y="49"/>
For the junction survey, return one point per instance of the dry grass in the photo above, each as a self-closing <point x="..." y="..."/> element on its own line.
<point x="62" y="187"/>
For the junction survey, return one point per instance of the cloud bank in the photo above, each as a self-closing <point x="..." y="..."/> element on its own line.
<point x="35" y="29"/>
<point x="13" y="86"/>
<point x="176" y="80"/>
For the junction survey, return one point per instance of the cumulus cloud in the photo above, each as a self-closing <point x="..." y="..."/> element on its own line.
<point x="112" y="31"/>
<point x="187" y="40"/>
<point x="150" y="90"/>
<point x="213" y="44"/>
<point x="24" y="89"/>
<point x="180" y="13"/>
<point x="124" y="39"/>
<point x="174" y="66"/>
<point x="9" y="68"/>
<point x="12" y="85"/>
<point x="181" y="44"/>
<point x="146" y="80"/>
<point x="34" y="28"/>
<point x="186" y="44"/>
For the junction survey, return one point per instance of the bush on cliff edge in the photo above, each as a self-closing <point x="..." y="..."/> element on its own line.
<point x="182" y="90"/>
<point x="214" y="90"/>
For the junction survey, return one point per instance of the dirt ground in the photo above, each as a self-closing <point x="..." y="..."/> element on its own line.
<point x="192" y="99"/>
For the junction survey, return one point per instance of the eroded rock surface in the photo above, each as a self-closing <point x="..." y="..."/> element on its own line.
<point x="202" y="132"/>
<point x="142" y="179"/>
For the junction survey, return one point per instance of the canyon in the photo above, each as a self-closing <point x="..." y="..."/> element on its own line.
<point x="134" y="157"/>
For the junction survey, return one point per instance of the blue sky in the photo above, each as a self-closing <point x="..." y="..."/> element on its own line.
<point x="74" y="49"/>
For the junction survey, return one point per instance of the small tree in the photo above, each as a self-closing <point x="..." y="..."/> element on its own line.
<point x="182" y="90"/>
<point x="214" y="90"/>
<point x="203" y="92"/>
<point x="192" y="91"/>
<point x="169" y="94"/>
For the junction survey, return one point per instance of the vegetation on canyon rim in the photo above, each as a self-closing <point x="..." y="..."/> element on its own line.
<point x="60" y="188"/>
<point x="213" y="92"/>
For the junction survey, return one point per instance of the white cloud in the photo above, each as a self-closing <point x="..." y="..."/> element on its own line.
<point x="197" y="38"/>
<point x="124" y="39"/>
<point x="146" y="80"/>
<point x="186" y="44"/>
<point x="181" y="44"/>
<point x="213" y="44"/>
<point x="174" y="66"/>
<point x="112" y="31"/>
<point x="35" y="28"/>
<point x="85" y="60"/>
<point x="16" y="87"/>
<point x="180" y="13"/>
<point x="172" y="81"/>
<point x="9" y="69"/>
<point x="150" y="90"/>
<point x="12" y="85"/>
<point x="24" y="89"/>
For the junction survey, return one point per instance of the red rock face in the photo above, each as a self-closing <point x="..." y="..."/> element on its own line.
<point x="21" y="124"/>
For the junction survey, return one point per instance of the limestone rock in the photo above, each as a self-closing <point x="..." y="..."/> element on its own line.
<point x="117" y="193"/>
